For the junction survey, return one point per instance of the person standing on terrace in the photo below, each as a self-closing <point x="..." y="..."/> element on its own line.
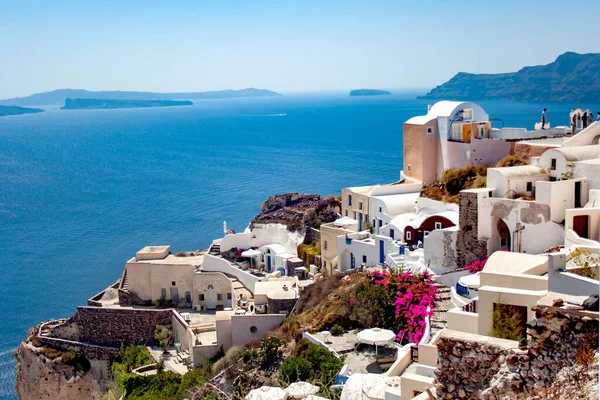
<point x="544" y="119"/>
<point x="574" y="123"/>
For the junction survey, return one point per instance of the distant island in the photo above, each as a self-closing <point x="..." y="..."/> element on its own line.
<point x="572" y="77"/>
<point x="91" y="104"/>
<point x="14" y="110"/>
<point x="368" y="92"/>
<point x="58" y="97"/>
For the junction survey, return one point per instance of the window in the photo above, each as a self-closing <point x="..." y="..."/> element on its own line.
<point x="219" y="296"/>
<point x="426" y="233"/>
<point x="437" y="225"/>
<point x="408" y="168"/>
<point x="429" y="130"/>
<point x="163" y="293"/>
<point x="468" y="114"/>
<point x="380" y="223"/>
<point x="349" y="200"/>
<point x="325" y="245"/>
<point x="201" y="297"/>
<point x="391" y="233"/>
<point x="408" y="235"/>
<point x="481" y="132"/>
<point x="228" y="296"/>
<point x="364" y="259"/>
<point x="380" y="209"/>
<point x="457" y="132"/>
<point x="173" y="283"/>
<point x="354" y="214"/>
<point x="360" y="205"/>
<point x="346" y="213"/>
<point x="553" y="164"/>
<point x="529" y="186"/>
<point x="253" y="329"/>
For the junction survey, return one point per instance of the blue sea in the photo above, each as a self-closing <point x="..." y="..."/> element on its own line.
<point x="82" y="191"/>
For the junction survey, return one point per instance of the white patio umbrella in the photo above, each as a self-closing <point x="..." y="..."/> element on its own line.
<point x="345" y="221"/>
<point x="376" y="336"/>
<point x="267" y="393"/>
<point x="251" y="253"/>
<point x="300" y="390"/>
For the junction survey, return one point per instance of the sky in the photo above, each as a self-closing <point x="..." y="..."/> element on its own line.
<point x="281" y="45"/>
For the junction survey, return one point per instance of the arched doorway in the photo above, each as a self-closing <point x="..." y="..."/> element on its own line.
<point x="503" y="235"/>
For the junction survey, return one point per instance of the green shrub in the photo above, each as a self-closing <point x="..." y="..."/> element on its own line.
<point x="511" y="161"/>
<point x="507" y="322"/>
<point x="249" y="356"/>
<point x="191" y="379"/>
<point x="294" y="369"/>
<point x="164" y="385"/>
<point x="336" y="330"/>
<point x="163" y="337"/>
<point x="51" y="353"/>
<point x="269" y="350"/>
<point x="457" y="179"/>
<point x="76" y="359"/>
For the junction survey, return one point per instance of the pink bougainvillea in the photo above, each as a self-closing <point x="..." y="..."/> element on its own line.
<point x="413" y="298"/>
<point x="476" y="266"/>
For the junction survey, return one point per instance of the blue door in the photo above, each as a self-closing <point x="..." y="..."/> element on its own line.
<point x="352" y="261"/>
<point x="381" y="253"/>
<point x="281" y="271"/>
<point x="269" y="263"/>
<point x="360" y="216"/>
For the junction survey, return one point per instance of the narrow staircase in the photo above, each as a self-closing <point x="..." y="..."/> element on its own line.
<point x="215" y="249"/>
<point x="124" y="284"/>
<point x="442" y="305"/>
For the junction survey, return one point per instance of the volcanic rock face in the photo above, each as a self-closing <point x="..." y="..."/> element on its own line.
<point x="298" y="212"/>
<point x="41" y="378"/>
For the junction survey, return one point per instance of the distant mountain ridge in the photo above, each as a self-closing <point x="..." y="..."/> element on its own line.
<point x="58" y="97"/>
<point x="572" y="77"/>
<point x="106" y="104"/>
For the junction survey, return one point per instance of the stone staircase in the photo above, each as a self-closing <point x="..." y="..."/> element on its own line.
<point x="397" y="261"/>
<point x="442" y="305"/>
<point x="124" y="284"/>
<point x="215" y="249"/>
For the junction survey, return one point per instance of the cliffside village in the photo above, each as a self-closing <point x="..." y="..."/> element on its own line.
<point x="527" y="221"/>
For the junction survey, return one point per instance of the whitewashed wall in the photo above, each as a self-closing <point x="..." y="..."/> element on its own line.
<point x="217" y="264"/>
<point x="440" y="249"/>
<point x="263" y="235"/>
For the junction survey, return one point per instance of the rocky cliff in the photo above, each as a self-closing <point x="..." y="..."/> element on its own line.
<point x="39" y="376"/>
<point x="572" y="77"/>
<point x="298" y="212"/>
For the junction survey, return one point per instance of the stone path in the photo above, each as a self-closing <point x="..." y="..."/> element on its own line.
<point x="442" y="306"/>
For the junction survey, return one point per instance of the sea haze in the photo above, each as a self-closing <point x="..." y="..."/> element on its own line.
<point x="81" y="191"/>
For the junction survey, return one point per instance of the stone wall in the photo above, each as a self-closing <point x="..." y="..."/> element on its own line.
<point x="275" y="306"/>
<point x="468" y="247"/>
<point x="90" y="351"/>
<point x="127" y="298"/>
<point x="477" y="367"/>
<point x="556" y="338"/>
<point x="113" y="326"/>
<point x="466" y="364"/>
